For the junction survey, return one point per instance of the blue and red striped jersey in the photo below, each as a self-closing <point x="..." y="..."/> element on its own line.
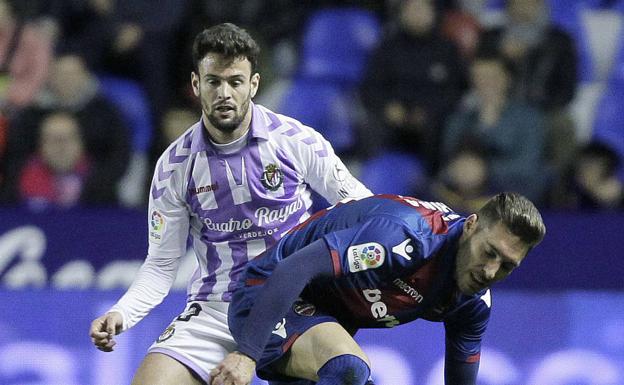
<point x="394" y="262"/>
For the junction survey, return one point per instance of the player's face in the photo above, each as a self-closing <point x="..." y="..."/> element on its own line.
<point x="486" y="255"/>
<point x="225" y="88"/>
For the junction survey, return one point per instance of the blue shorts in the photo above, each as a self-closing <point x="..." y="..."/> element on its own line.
<point x="300" y="317"/>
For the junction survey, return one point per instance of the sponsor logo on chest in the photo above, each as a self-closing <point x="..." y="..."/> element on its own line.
<point x="378" y="308"/>
<point x="264" y="216"/>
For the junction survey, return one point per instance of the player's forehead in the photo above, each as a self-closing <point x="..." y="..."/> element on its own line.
<point x="220" y="65"/>
<point x="503" y="241"/>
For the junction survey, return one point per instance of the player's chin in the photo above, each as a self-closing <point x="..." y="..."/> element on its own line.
<point x="468" y="287"/>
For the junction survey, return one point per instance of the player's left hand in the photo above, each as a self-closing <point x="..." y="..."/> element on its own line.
<point x="235" y="369"/>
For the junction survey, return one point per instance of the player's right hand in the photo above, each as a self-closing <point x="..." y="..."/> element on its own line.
<point x="104" y="328"/>
<point x="235" y="369"/>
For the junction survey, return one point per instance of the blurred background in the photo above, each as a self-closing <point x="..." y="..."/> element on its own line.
<point x="444" y="100"/>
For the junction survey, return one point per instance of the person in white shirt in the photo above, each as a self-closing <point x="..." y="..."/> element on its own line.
<point x="229" y="188"/>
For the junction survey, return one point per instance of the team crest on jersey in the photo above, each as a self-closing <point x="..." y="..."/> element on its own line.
<point x="365" y="256"/>
<point x="304" y="308"/>
<point x="157" y="226"/>
<point x="167" y="333"/>
<point x="272" y="177"/>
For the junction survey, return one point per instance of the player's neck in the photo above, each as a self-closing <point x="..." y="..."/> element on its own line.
<point x="222" y="137"/>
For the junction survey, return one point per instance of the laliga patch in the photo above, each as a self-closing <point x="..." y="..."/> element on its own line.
<point x="365" y="256"/>
<point x="156" y="226"/>
<point x="168" y="333"/>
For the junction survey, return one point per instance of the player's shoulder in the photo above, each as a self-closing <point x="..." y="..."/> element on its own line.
<point x="428" y="217"/>
<point x="178" y="152"/>
<point x="475" y="306"/>
<point x="285" y="130"/>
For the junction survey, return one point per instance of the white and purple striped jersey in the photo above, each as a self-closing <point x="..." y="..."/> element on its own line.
<point x="230" y="207"/>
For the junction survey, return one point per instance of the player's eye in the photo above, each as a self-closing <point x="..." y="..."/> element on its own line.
<point x="509" y="266"/>
<point x="490" y="254"/>
<point x="236" y="83"/>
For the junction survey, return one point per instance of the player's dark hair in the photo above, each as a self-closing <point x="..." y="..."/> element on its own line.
<point x="228" y="40"/>
<point x="517" y="213"/>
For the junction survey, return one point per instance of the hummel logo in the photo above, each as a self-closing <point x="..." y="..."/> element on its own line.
<point x="204" y="189"/>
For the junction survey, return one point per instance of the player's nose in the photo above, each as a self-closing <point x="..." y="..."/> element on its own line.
<point x="224" y="91"/>
<point x="490" y="270"/>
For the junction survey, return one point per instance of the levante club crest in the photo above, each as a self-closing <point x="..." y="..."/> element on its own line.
<point x="272" y="177"/>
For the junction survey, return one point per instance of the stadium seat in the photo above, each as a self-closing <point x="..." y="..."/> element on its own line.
<point x="393" y="173"/>
<point x="594" y="26"/>
<point x="617" y="70"/>
<point x="130" y="98"/>
<point x="324" y="106"/>
<point x="609" y="121"/>
<point x="337" y="43"/>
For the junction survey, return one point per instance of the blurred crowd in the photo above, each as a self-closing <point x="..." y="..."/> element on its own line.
<point x="446" y="100"/>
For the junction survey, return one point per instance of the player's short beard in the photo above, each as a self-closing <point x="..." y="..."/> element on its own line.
<point x="230" y="126"/>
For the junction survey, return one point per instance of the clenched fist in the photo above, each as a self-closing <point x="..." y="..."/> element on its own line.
<point x="104" y="328"/>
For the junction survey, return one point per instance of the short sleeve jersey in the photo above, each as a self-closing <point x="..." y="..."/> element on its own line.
<point x="394" y="261"/>
<point x="228" y="208"/>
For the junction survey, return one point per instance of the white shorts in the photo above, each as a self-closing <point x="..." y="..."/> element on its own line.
<point x="199" y="337"/>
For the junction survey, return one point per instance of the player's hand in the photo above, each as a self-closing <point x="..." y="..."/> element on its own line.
<point x="104" y="328"/>
<point x="235" y="369"/>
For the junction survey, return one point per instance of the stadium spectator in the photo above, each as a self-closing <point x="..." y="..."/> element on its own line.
<point x="594" y="184"/>
<point x="130" y="39"/>
<point x="413" y="82"/>
<point x="463" y="182"/>
<point x="56" y="174"/>
<point x="509" y="132"/>
<point x="72" y="87"/>
<point x="26" y="50"/>
<point x="545" y="61"/>
<point x="232" y="185"/>
<point x="374" y="263"/>
<point x="278" y="38"/>
<point x="461" y="24"/>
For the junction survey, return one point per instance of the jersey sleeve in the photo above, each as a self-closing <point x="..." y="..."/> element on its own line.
<point x="382" y="244"/>
<point x="168" y="227"/>
<point x="168" y="216"/>
<point x="326" y="174"/>
<point x="465" y="329"/>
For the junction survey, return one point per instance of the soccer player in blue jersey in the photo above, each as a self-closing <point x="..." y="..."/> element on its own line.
<point x="229" y="188"/>
<point x="374" y="263"/>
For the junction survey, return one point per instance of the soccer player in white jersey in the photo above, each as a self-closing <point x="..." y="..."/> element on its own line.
<point x="229" y="188"/>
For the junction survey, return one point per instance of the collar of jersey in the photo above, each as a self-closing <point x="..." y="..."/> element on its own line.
<point x="258" y="130"/>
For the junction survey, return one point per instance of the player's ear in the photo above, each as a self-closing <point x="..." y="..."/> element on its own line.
<point x="471" y="224"/>
<point x="255" y="82"/>
<point x="195" y="83"/>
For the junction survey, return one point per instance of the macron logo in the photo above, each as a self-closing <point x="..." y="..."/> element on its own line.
<point x="404" y="249"/>
<point x="408" y="289"/>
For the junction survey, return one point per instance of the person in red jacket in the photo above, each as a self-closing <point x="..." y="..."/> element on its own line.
<point x="55" y="174"/>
